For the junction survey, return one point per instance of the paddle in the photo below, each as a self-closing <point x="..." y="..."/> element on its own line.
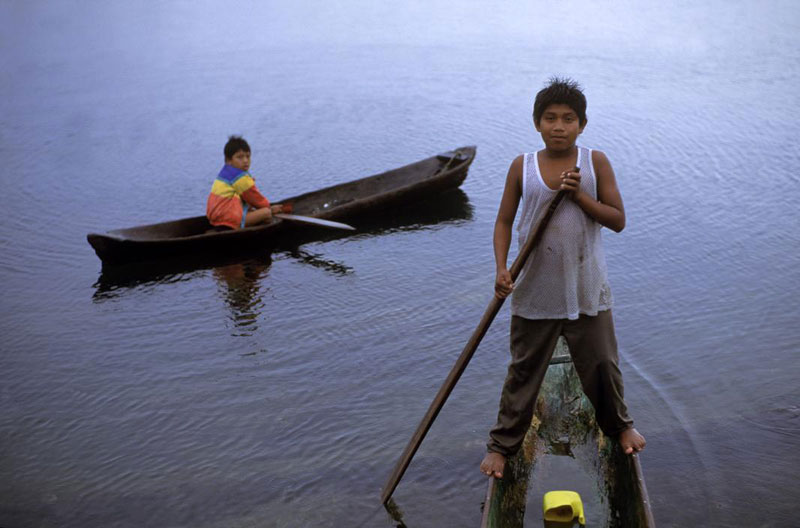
<point x="466" y="354"/>
<point x="312" y="220"/>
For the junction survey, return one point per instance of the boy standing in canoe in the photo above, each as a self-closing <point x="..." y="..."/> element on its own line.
<point x="235" y="201"/>
<point x="563" y="288"/>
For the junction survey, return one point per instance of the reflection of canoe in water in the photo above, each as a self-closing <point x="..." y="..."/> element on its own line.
<point x="366" y="196"/>
<point x="564" y="425"/>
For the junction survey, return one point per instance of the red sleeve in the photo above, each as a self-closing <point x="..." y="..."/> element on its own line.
<point x="253" y="197"/>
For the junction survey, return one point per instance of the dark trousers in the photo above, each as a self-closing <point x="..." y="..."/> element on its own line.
<point x="593" y="347"/>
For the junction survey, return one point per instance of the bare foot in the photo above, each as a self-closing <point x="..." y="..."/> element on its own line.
<point x="493" y="465"/>
<point x="631" y="441"/>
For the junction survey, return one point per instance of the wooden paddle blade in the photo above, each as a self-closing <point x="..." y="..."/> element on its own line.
<point x="314" y="221"/>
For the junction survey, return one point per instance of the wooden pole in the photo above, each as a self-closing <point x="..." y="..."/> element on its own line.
<point x="463" y="360"/>
<point x="648" y="512"/>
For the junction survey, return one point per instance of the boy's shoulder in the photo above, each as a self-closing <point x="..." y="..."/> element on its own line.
<point x="230" y="173"/>
<point x="515" y="169"/>
<point x="599" y="159"/>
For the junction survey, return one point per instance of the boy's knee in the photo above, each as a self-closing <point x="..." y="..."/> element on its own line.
<point x="259" y="216"/>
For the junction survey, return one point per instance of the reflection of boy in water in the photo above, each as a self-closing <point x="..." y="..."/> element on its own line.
<point x="563" y="288"/>
<point x="235" y="201"/>
<point x="241" y="283"/>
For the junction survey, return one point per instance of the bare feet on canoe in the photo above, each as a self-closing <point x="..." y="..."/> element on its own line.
<point x="493" y="465"/>
<point x="631" y="441"/>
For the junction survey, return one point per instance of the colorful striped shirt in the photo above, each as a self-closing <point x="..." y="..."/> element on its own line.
<point x="231" y="187"/>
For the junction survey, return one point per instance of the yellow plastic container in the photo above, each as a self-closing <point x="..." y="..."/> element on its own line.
<point x="563" y="506"/>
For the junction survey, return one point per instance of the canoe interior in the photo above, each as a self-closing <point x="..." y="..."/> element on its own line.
<point x="447" y="169"/>
<point x="564" y="426"/>
<point x="174" y="229"/>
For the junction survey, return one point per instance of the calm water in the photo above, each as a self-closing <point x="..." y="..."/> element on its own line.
<point x="279" y="391"/>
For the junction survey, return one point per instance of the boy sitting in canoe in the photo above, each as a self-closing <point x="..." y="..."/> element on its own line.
<point x="234" y="201"/>
<point x="563" y="287"/>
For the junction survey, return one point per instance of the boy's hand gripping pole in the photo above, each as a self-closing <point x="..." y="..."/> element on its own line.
<point x="466" y="354"/>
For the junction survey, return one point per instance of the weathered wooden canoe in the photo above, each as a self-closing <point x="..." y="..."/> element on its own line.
<point x="564" y="425"/>
<point x="366" y="196"/>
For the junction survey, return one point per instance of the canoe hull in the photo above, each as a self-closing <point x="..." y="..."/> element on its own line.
<point x="367" y="196"/>
<point x="564" y="424"/>
<point x="118" y="250"/>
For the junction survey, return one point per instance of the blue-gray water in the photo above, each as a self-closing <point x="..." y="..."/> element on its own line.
<point x="280" y="393"/>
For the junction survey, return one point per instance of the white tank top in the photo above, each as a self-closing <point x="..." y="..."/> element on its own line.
<point x="566" y="274"/>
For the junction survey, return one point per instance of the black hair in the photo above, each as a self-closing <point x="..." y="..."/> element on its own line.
<point x="234" y="145"/>
<point x="560" y="90"/>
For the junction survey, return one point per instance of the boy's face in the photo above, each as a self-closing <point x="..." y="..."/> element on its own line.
<point x="559" y="127"/>
<point x="240" y="160"/>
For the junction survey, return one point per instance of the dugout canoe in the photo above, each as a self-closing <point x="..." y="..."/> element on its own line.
<point x="564" y="425"/>
<point x="366" y="196"/>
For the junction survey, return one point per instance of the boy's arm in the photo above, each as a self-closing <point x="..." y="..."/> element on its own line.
<point x="258" y="201"/>
<point x="253" y="197"/>
<point x="503" y="226"/>
<point x="607" y="210"/>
